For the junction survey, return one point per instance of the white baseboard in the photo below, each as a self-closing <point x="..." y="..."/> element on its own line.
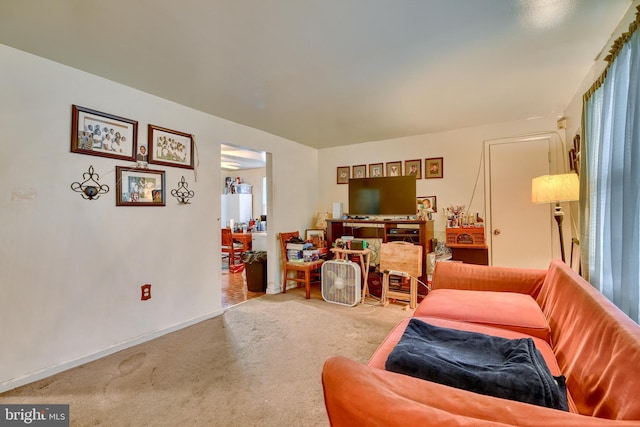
<point x="273" y="288"/>
<point x="44" y="373"/>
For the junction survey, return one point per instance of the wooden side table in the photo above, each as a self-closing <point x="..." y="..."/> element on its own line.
<point x="365" y="261"/>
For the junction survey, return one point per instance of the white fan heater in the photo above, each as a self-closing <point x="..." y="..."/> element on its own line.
<point x="341" y="282"/>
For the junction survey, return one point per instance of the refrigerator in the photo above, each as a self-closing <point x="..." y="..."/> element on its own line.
<point x="238" y="207"/>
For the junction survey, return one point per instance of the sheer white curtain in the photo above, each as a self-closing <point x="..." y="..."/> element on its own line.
<point x="610" y="181"/>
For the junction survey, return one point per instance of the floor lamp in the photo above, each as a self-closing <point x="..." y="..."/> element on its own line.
<point x="556" y="189"/>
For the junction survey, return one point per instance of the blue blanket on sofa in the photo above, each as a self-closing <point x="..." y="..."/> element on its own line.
<point x="495" y="366"/>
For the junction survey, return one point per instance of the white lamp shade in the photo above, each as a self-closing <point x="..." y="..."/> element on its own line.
<point x="555" y="188"/>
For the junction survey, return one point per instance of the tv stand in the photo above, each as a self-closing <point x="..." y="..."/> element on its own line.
<point x="418" y="232"/>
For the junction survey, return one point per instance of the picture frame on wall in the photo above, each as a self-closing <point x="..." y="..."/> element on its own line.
<point x="139" y="187"/>
<point x="574" y="155"/>
<point x="360" y="171"/>
<point x="572" y="160"/>
<point x="375" y="170"/>
<point x="343" y="174"/>
<point x="101" y="134"/>
<point x="413" y="167"/>
<point x="394" y="169"/>
<point x="170" y="147"/>
<point x="433" y="167"/>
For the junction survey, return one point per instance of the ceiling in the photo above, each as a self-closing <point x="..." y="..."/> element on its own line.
<point x="331" y="72"/>
<point x="236" y="158"/>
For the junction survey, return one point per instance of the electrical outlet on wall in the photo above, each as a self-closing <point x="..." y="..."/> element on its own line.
<point x="146" y="292"/>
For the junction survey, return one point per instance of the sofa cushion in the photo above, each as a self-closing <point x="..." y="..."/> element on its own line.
<point x="457" y="275"/>
<point x="379" y="357"/>
<point x="509" y="310"/>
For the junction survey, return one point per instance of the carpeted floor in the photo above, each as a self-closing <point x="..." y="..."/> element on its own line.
<point x="258" y="364"/>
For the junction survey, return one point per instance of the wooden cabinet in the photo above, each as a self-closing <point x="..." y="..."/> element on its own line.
<point x="468" y="245"/>
<point x="478" y="256"/>
<point x="418" y="232"/>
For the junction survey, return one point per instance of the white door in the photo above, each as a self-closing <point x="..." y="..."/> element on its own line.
<point x="519" y="231"/>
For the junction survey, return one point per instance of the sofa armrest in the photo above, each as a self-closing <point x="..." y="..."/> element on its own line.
<point x="455" y="275"/>
<point x="355" y="394"/>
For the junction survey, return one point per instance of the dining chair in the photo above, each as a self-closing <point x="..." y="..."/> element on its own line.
<point x="303" y="271"/>
<point x="232" y="249"/>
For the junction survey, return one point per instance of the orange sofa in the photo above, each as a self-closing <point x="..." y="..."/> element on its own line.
<point x="580" y="334"/>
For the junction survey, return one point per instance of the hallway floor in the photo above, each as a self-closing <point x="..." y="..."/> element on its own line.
<point x="234" y="288"/>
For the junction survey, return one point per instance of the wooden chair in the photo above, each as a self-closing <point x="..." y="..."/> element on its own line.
<point x="302" y="271"/>
<point x="233" y="250"/>
<point x="402" y="257"/>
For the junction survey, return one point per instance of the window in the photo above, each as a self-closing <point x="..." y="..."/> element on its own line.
<point x="264" y="195"/>
<point x="610" y="179"/>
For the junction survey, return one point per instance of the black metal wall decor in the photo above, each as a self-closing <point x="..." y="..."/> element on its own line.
<point x="90" y="188"/>
<point x="182" y="193"/>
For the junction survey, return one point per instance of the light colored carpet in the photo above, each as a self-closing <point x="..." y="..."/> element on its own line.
<point x="258" y="364"/>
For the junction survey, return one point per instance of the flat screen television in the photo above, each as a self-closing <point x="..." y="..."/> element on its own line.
<point x="391" y="196"/>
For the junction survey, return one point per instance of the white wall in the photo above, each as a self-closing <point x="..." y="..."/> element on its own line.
<point x="71" y="268"/>
<point x="463" y="164"/>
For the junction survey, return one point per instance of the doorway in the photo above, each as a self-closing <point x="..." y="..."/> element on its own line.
<point x="519" y="232"/>
<point x="248" y="168"/>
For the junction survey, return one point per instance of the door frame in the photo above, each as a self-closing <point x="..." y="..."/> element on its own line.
<point x="272" y="261"/>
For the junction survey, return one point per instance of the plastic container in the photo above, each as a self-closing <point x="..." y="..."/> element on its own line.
<point x="255" y="266"/>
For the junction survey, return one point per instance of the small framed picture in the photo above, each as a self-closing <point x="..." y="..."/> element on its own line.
<point x="394" y="169"/>
<point x="314" y="234"/>
<point x="170" y="147"/>
<point x="574" y="155"/>
<point x="426" y="206"/>
<point x="572" y="159"/>
<point x="343" y="174"/>
<point x="139" y="187"/>
<point x="375" y="170"/>
<point x="101" y="134"/>
<point x="360" y="171"/>
<point x="413" y="167"/>
<point x="433" y="168"/>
